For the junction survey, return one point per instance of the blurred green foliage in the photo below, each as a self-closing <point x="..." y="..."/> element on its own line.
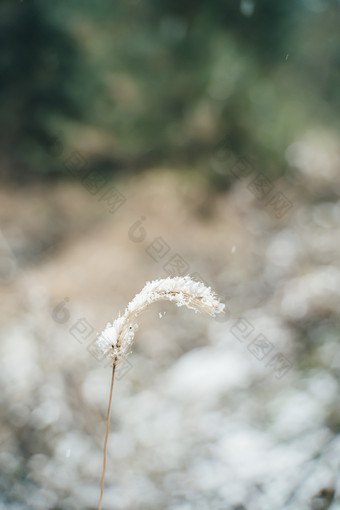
<point x="152" y="82"/>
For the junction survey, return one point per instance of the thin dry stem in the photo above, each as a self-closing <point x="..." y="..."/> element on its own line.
<point x="106" y="439"/>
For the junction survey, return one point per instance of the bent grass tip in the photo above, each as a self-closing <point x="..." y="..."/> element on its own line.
<point x="116" y="340"/>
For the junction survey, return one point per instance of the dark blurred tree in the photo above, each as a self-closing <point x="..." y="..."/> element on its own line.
<point x="171" y="49"/>
<point x="42" y="71"/>
<point x="261" y="25"/>
<point x="166" y="80"/>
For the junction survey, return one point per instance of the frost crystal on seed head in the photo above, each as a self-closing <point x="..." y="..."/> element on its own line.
<point x="116" y="340"/>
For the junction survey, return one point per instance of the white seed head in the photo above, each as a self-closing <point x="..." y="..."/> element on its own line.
<point x="116" y="340"/>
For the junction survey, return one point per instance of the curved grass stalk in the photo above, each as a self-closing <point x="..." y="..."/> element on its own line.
<point x="117" y="338"/>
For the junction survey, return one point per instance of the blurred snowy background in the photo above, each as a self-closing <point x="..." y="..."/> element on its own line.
<point x="141" y="140"/>
<point x="239" y="412"/>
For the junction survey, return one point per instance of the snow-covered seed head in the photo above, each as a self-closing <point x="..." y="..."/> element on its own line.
<point x="117" y="338"/>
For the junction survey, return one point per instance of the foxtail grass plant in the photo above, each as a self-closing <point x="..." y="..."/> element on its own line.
<point x="116" y="340"/>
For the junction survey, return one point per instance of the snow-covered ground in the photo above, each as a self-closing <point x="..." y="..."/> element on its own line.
<point x="208" y="414"/>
